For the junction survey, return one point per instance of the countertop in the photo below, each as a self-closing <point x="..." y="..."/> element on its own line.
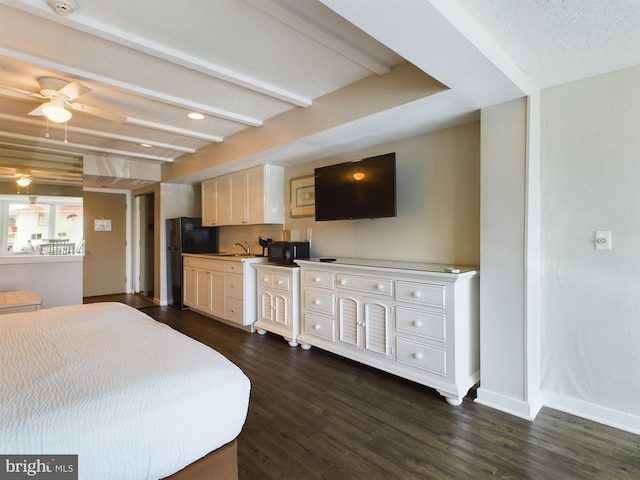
<point x="228" y="257"/>
<point x="444" y="268"/>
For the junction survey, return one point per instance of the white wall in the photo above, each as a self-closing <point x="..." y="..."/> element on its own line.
<point x="504" y="364"/>
<point x="438" y="203"/>
<point x="591" y="298"/>
<point x="57" y="279"/>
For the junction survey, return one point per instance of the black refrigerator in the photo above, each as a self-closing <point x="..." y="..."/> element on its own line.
<point x="185" y="235"/>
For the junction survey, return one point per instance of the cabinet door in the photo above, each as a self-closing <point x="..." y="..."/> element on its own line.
<point x="265" y="308"/>
<point x="189" y="286"/>
<point x="217" y="305"/>
<point x="209" y="211"/>
<point x="255" y="195"/>
<point x="349" y="330"/>
<point x="222" y="202"/>
<point x="203" y="289"/>
<point x="281" y="310"/>
<point x="376" y="321"/>
<point x="238" y="195"/>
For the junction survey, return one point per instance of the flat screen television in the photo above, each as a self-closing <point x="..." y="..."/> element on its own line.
<point x="361" y="189"/>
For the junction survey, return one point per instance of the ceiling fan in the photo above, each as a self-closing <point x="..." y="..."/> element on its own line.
<point x="60" y="94"/>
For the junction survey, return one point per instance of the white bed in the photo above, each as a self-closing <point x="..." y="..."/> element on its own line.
<point x="132" y="397"/>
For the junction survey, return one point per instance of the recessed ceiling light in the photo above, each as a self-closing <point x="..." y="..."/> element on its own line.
<point x="145" y="145"/>
<point x="195" y="116"/>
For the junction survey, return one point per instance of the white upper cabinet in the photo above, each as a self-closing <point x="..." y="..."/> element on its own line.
<point x="249" y="197"/>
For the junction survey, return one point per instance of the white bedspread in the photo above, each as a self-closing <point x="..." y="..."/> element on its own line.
<point x="132" y="397"/>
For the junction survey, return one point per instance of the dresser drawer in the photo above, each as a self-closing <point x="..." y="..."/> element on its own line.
<point x="265" y="279"/>
<point x="425" y="357"/>
<point x="318" y="279"/>
<point x="233" y="285"/>
<point x="234" y="310"/>
<point x="319" y="326"/>
<point x="319" y="301"/>
<point x="281" y="282"/>
<point x="365" y="284"/>
<point x="426" y="324"/>
<point x="420" y="293"/>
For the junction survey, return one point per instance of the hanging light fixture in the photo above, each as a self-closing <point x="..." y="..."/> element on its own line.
<point x="23" y="181"/>
<point x="56" y="112"/>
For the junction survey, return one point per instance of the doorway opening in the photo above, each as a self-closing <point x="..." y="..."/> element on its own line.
<point x="145" y="251"/>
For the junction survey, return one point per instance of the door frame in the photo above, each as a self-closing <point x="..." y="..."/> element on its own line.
<point x="128" y="231"/>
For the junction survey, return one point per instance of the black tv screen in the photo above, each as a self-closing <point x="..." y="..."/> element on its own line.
<point x="361" y="189"/>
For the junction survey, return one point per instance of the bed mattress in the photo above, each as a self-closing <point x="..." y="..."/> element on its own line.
<point x="132" y="397"/>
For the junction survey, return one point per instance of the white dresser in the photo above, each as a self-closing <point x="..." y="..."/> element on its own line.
<point x="417" y="321"/>
<point x="278" y="301"/>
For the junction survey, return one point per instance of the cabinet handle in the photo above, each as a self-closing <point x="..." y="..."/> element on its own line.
<point x="317" y="279"/>
<point x="416" y="294"/>
<point x="417" y="356"/>
<point x="343" y="282"/>
<point x="279" y="282"/>
<point x="316" y="302"/>
<point x="417" y="323"/>
<point x="265" y="280"/>
<point x="316" y="327"/>
<point x="379" y="287"/>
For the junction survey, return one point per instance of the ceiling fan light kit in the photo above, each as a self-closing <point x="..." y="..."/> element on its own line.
<point x="56" y="112"/>
<point x="23" y="181"/>
<point x="64" y="8"/>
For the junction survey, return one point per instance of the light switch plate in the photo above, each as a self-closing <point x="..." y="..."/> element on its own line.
<point x="602" y="239"/>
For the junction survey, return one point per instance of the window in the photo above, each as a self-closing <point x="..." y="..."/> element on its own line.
<point x="50" y="226"/>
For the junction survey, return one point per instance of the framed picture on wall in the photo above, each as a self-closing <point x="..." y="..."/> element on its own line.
<point x="303" y="197"/>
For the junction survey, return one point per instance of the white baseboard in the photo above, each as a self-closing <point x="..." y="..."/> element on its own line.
<point x="519" y="408"/>
<point x="573" y="406"/>
<point x="596" y="413"/>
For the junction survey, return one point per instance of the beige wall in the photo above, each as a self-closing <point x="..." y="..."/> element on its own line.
<point x="438" y="203"/>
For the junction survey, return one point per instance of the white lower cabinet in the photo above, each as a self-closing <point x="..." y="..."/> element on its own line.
<point x="278" y="301"/>
<point x="420" y="323"/>
<point x="221" y="289"/>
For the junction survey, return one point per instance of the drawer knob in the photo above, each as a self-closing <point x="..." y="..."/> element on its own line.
<point x="417" y="356"/>
<point x="379" y="287"/>
<point x="279" y="282"/>
<point x="343" y="282"/>
<point x="265" y="279"/>
<point x="317" y="279"/>
<point x="316" y="327"/>
<point x="417" y="323"/>
<point x="416" y="294"/>
<point x="316" y="302"/>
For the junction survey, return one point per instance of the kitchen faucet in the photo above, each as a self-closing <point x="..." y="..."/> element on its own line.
<point x="245" y="247"/>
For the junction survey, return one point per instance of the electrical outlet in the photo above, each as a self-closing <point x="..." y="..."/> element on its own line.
<point x="602" y="239"/>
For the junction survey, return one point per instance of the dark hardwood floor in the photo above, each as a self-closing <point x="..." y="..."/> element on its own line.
<point x="315" y="415"/>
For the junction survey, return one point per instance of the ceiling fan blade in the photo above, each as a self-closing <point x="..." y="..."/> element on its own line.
<point x="23" y="92"/>
<point x="98" y="112"/>
<point x="38" y="111"/>
<point x="73" y="90"/>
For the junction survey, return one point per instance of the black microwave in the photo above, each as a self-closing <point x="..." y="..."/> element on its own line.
<point x="286" y="253"/>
